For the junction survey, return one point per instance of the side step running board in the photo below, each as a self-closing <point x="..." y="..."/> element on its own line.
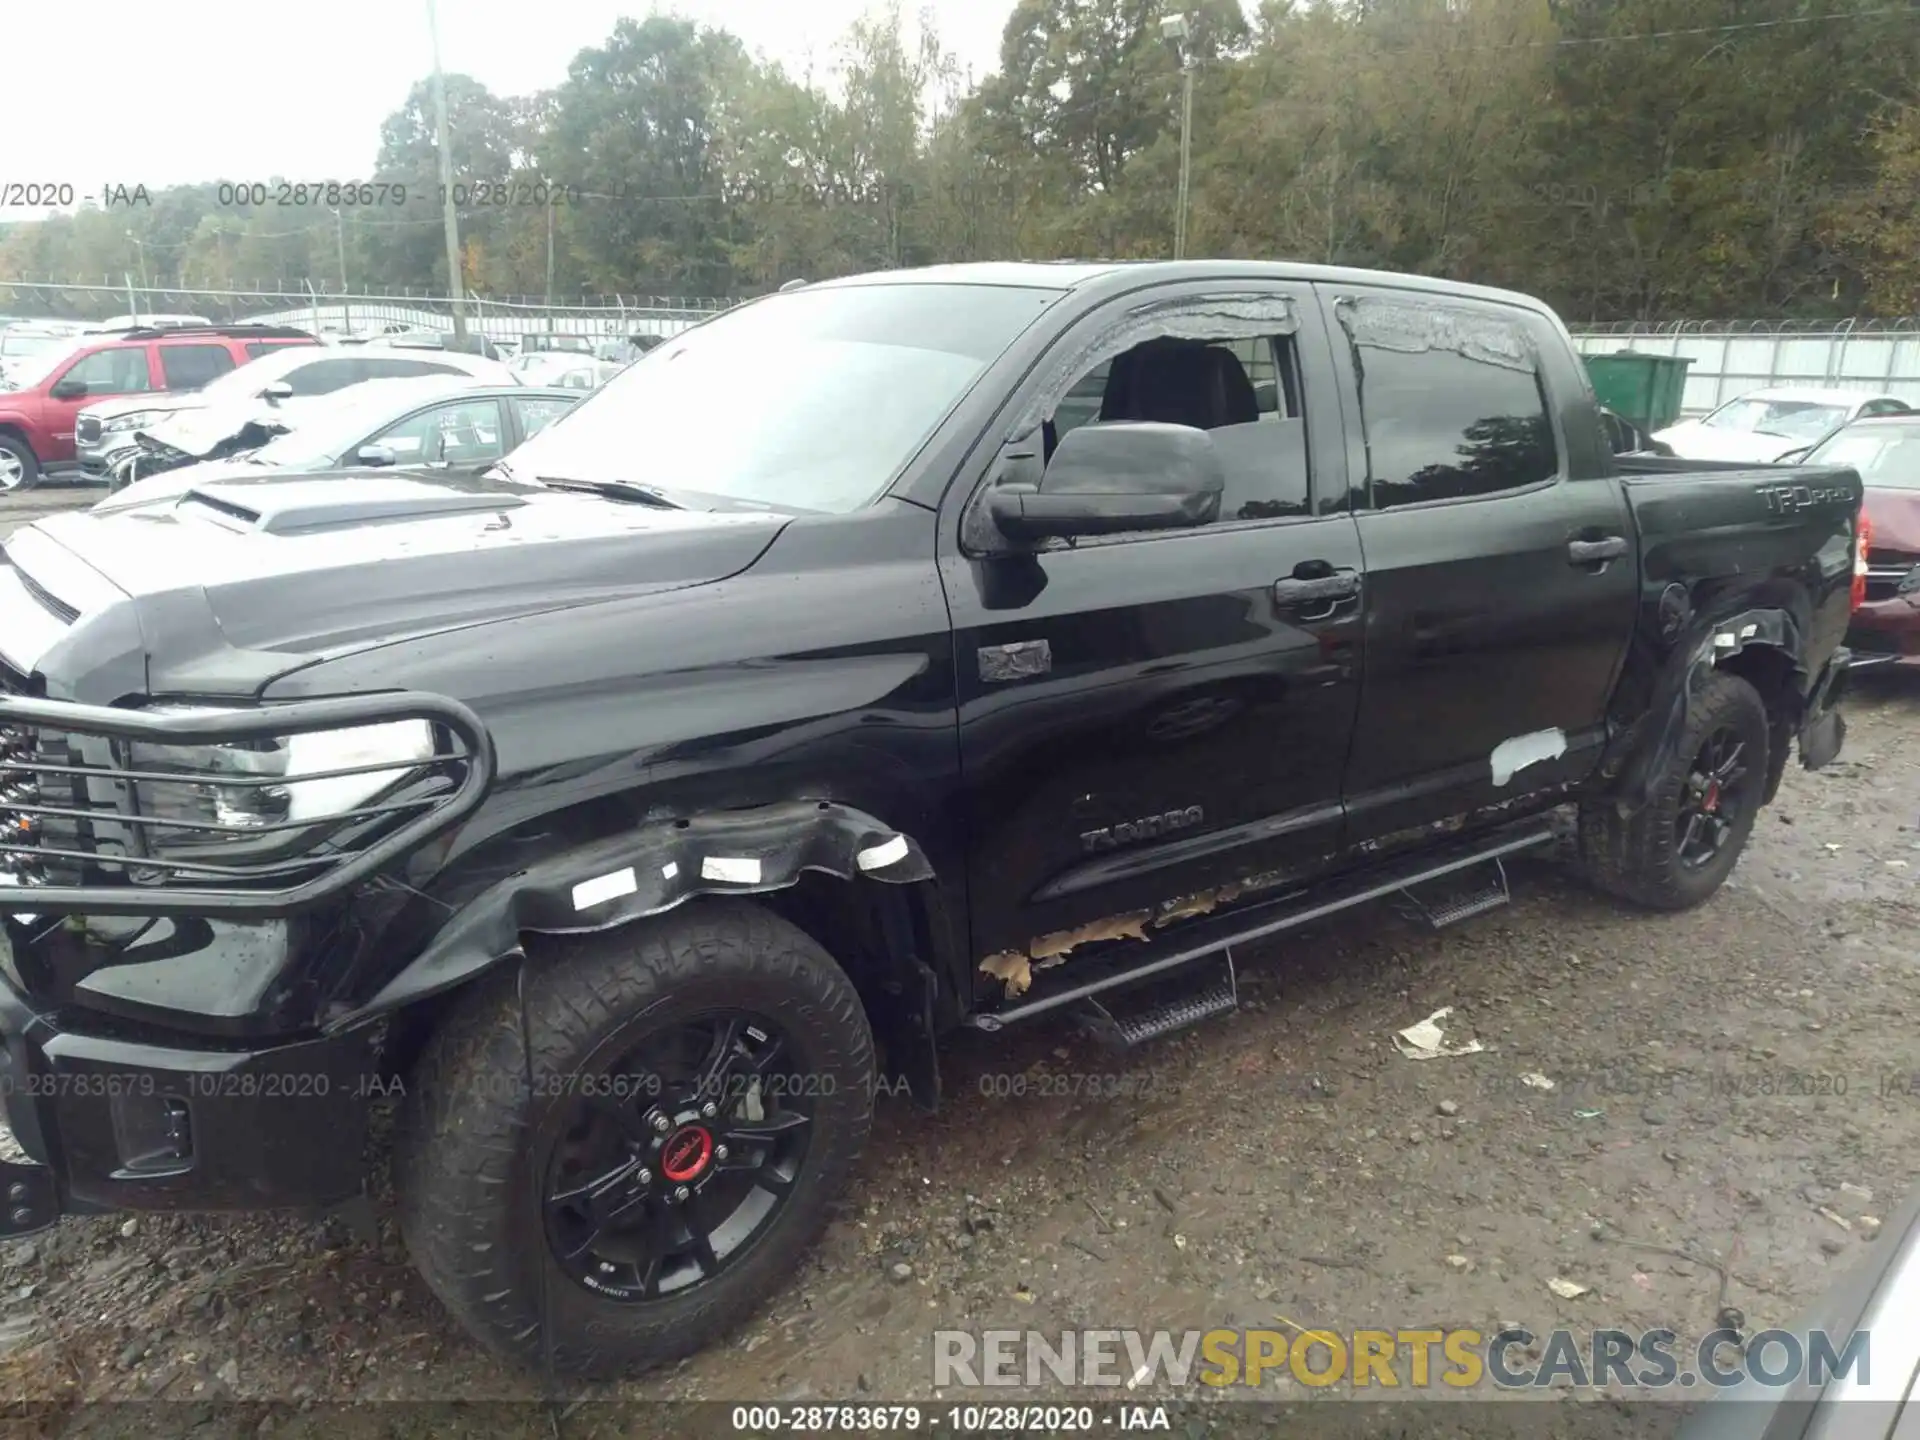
<point x="1185" y="998"/>
<point x="1209" y="937"/>
<point x="1450" y="907"/>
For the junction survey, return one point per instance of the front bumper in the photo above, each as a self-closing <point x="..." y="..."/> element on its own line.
<point x="115" y="1123"/>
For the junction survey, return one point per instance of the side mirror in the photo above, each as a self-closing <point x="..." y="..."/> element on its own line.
<point x="276" y="392"/>
<point x="69" y="390"/>
<point x="376" y="455"/>
<point x="1107" y="479"/>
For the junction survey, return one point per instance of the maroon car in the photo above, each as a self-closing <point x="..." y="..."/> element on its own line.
<point x="1886" y="452"/>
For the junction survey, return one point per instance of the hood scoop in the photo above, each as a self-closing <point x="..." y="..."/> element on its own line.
<point x="295" y="508"/>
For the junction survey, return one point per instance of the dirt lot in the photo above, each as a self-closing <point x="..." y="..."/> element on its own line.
<point x="1286" y="1162"/>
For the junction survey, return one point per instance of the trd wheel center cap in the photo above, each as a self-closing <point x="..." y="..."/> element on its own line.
<point x="687" y="1153"/>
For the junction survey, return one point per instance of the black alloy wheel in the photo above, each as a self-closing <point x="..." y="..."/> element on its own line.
<point x="676" y="1156"/>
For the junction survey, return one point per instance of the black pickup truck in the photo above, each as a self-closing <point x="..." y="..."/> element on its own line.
<point x="889" y="655"/>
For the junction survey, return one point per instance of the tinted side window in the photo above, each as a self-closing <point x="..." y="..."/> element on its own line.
<point x="1451" y="402"/>
<point x="120" y="371"/>
<point x="187" y="367"/>
<point x="323" y="377"/>
<point x="257" y="348"/>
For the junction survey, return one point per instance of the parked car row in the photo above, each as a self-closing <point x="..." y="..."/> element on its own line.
<point x="440" y="422"/>
<point x="1765" y="427"/>
<point x="106" y="403"/>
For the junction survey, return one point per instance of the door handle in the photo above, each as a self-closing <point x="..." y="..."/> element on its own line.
<point x="1590" y="552"/>
<point x="1317" y="589"/>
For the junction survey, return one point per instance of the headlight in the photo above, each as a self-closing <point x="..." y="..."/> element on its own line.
<point x="132" y="421"/>
<point x="225" y="791"/>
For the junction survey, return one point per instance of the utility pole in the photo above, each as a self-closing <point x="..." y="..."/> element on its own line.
<point x="446" y="185"/>
<point x="549" y="260"/>
<point x="140" y="250"/>
<point x="340" y="247"/>
<point x="1173" y="28"/>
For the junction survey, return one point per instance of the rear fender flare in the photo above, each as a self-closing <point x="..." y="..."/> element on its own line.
<point x="1656" y="740"/>
<point x="648" y="871"/>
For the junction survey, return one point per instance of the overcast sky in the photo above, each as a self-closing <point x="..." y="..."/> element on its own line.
<point x="164" y="92"/>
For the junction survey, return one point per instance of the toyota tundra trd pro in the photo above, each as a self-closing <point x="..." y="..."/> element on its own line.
<point x="894" y="654"/>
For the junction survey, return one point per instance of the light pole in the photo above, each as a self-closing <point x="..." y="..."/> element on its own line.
<point x="140" y="251"/>
<point x="1173" y="29"/>
<point x="446" y="185"/>
<point x="340" y="247"/>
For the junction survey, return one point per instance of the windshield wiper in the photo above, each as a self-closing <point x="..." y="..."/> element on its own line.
<point x="616" y="490"/>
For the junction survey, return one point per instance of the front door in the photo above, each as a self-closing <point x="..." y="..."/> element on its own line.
<point x="1501" y="585"/>
<point x="1148" y="718"/>
<point x="115" y="371"/>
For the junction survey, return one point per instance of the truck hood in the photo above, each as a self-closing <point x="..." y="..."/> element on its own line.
<point x="1693" y="441"/>
<point x="224" y="588"/>
<point x="239" y="470"/>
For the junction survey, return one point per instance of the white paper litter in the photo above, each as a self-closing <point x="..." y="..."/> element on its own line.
<point x="1426" y="1041"/>
<point x="1534" y="1080"/>
<point x="1566" y="1289"/>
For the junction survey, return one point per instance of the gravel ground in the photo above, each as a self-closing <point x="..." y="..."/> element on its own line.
<point x="1285" y="1161"/>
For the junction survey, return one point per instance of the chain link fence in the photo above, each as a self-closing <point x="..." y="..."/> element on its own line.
<point x="1732" y="357"/>
<point x="324" y="312"/>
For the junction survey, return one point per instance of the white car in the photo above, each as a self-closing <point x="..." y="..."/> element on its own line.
<point x="278" y="384"/>
<point x="1764" y="426"/>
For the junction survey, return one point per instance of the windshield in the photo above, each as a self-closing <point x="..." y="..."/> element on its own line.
<point x="1887" y="456"/>
<point x="807" y="401"/>
<point x="1791" y="419"/>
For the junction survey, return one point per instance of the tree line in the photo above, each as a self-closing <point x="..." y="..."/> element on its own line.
<point x="1626" y="159"/>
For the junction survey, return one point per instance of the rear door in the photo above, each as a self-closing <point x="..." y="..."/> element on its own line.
<point x="186" y="366"/>
<point x="1500" y="588"/>
<point x="533" y="413"/>
<point x="1154" y="716"/>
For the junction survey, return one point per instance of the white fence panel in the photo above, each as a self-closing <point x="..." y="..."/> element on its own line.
<point x="1733" y="358"/>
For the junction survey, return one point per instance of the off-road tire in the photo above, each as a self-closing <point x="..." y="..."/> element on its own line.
<point x="20" y="453"/>
<point x="1636" y="857"/>
<point x="469" y="1158"/>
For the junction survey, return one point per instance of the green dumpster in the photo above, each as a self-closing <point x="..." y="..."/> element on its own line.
<point x="1646" y="389"/>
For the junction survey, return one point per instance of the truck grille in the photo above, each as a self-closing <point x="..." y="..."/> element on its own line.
<point x="26" y="791"/>
<point x="86" y="429"/>
<point x="92" y="819"/>
<point x="1886" y="571"/>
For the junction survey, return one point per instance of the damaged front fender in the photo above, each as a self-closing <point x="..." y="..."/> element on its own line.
<point x="647" y="871"/>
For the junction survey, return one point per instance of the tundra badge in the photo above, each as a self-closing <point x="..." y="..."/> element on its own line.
<point x="1112" y="837"/>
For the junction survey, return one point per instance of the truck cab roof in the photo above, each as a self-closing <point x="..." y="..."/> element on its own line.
<point x="1069" y="275"/>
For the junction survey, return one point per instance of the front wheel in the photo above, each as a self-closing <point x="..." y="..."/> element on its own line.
<point x="1676" y="851"/>
<point x="700" y="1086"/>
<point x="19" y="469"/>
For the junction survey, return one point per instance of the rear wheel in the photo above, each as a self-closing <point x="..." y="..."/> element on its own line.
<point x="1679" y="849"/>
<point x="19" y="470"/>
<point x="701" y="1087"/>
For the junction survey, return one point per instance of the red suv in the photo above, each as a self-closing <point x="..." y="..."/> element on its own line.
<point x="37" y="420"/>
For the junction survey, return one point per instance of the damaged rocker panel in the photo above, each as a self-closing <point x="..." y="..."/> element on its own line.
<point x="651" y="870"/>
